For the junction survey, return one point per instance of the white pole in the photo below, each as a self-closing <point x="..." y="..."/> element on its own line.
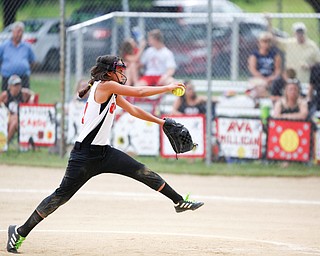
<point x="209" y="79"/>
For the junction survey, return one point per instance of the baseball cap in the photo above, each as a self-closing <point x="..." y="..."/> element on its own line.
<point x="299" y="27"/>
<point x="265" y="36"/>
<point x="14" y="79"/>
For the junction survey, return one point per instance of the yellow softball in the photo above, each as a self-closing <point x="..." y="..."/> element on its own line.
<point x="179" y="91"/>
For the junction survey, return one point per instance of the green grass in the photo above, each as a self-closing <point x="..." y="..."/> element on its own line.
<point x="42" y="157"/>
<point x="288" y="6"/>
<point x="270" y="6"/>
<point x="47" y="86"/>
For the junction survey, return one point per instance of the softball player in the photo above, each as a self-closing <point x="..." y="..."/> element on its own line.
<point x="92" y="154"/>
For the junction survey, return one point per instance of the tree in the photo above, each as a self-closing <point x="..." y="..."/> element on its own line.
<point x="9" y="9"/>
<point x="315" y="5"/>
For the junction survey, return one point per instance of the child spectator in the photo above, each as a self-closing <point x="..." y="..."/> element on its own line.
<point x="131" y="53"/>
<point x="158" y="61"/>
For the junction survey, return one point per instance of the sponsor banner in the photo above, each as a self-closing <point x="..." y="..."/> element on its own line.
<point x="75" y="113"/>
<point x="288" y="140"/>
<point x="239" y="137"/>
<point x="3" y="129"/>
<point x="37" y="124"/>
<point x="135" y="136"/>
<point x="196" y="126"/>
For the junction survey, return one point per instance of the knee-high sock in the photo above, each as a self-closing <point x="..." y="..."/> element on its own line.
<point x="33" y="221"/>
<point x="170" y="193"/>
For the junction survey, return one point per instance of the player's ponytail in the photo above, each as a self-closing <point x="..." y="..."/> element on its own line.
<point x="86" y="89"/>
<point x="100" y="71"/>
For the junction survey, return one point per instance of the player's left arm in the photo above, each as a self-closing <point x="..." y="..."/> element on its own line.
<point x="137" y="111"/>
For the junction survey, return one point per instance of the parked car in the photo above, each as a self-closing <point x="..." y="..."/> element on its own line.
<point x="191" y="51"/>
<point x="192" y="56"/>
<point x="43" y="35"/>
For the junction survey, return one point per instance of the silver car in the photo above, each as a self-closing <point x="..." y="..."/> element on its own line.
<point x="43" y="36"/>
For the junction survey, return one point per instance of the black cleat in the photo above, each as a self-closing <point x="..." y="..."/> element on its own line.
<point x="185" y="205"/>
<point x="14" y="239"/>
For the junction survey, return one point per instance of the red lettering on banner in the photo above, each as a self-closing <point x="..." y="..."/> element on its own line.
<point x="236" y="127"/>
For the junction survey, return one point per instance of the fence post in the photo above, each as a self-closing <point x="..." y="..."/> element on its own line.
<point x="79" y="53"/>
<point x="235" y="49"/>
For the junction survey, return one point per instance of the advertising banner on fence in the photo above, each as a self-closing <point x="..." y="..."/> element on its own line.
<point x="3" y="129"/>
<point x="239" y="137"/>
<point x="75" y="113"/>
<point x="135" y="136"/>
<point x="37" y="123"/>
<point x="288" y="140"/>
<point x="196" y="126"/>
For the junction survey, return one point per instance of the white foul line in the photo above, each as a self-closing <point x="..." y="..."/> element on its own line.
<point x="145" y="196"/>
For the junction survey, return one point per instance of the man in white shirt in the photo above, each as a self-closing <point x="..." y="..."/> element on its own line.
<point x="301" y="53"/>
<point x="158" y="61"/>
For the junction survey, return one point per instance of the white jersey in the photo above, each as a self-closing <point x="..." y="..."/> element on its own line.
<point x="157" y="61"/>
<point x="97" y="120"/>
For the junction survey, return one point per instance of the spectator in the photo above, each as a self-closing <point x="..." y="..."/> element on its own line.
<point x="314" y="88"/>
<point x="291" y="105"/>
<point x="11" y="98"/>
<point x="257" y="89"/>
<point x="16" y="57"/>
<point x="131" y="53"/>
<point x="190" y="102"/>
<point x="265" y="62"/>
<point x="301" y="53"/>
<point x="280" y="82"/>
<point x="158" y="61"/>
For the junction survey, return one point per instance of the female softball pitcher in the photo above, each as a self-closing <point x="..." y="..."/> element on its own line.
<point x="92" y="154"/>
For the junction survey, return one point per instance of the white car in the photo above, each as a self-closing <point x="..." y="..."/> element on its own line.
<point x="44" y="38"/>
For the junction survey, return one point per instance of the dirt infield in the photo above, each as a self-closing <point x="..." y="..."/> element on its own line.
<point x="114" y="215"/>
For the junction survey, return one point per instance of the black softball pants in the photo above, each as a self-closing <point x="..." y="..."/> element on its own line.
<point x="87" y="161"/>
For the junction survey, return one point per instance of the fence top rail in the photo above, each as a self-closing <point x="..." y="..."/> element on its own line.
<point x="189" y="15"/>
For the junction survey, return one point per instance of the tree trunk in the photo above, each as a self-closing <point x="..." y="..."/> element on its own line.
<point x="10" y="8"/>
<point x="315" y="4"/>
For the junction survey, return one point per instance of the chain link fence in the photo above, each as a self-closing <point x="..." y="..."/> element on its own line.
<point x="90" y="33"/>
<point x="234" y="39"/>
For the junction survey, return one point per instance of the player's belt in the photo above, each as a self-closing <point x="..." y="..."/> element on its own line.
<point x="81" y="146"/>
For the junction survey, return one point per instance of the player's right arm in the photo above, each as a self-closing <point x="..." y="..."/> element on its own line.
<point x="104" y="90"/>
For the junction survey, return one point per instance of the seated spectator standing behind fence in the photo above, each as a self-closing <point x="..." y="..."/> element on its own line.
<point x="190" y="102"/>
<point x="314" y="89"/>
<point x="130" y="52"/>
<point x="265" y="62"/>
<point x="158" y="61"/>
<point x="279" y="83"/>
<point x="291" y="105"/>
<point x="301" y="53"/>
<point x="16" y="57"/>
<point x="11" y="98"/>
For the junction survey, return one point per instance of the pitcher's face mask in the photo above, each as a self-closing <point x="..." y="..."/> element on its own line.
<point x="119" y="68"/>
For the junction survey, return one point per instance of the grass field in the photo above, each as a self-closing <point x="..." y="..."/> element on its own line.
<point x="42" y="157"/>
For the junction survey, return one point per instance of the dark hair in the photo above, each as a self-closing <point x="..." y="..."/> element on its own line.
<point x="291" y="73"/>
<point x="126" y="48"/>
<point x="99" y="71"/>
